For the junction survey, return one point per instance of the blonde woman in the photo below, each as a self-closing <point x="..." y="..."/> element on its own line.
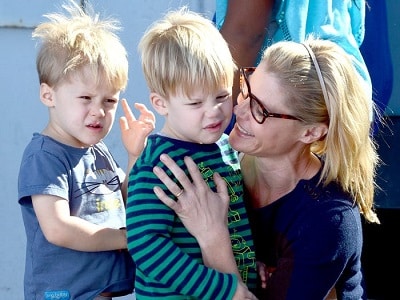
<point x="308" y="163"/>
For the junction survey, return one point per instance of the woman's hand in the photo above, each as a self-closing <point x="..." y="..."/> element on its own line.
<point x="242" y="293"/>
<point x="202" y="211"/>
<point x="204" y="214"/>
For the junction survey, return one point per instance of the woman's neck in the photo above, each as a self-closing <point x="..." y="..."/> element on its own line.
<point x="266" y="181"/>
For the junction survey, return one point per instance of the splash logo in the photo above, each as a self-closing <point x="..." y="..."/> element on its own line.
<point x="57" y="295"/>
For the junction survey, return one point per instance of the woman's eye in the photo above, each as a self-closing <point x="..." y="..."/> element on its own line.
<point x="259" y="111"/>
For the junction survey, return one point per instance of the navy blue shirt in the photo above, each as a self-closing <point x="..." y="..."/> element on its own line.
<point x="312" y="240"/>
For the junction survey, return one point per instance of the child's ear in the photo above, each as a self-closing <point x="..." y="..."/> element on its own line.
<point x="46" y="95"/>
<point x="159" y="103"/>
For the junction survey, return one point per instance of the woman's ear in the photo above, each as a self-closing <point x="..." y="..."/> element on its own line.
<point x="314" y="133"/>
<point x="46" y="95"/>
<point x="159" y="103"/>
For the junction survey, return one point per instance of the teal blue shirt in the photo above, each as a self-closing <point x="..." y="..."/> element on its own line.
<point x="341" y="21"/>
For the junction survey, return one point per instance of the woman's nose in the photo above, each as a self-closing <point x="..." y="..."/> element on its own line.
<point x="242" y="106"/>
<point x="240" y="98"/>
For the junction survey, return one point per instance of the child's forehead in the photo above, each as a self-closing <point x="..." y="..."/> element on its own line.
<point x="84" y="75"/>
<point x="87" y="77"/>
<point x="202" y="91"/>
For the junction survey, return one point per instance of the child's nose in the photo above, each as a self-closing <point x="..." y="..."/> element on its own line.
<point x="97" y="110"/>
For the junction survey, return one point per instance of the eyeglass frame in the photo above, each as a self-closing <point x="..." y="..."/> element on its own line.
<point x="266" y="113"/>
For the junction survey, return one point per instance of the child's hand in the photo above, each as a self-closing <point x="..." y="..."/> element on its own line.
<point x="264" y="273"/>
<point x="135" y="131"/>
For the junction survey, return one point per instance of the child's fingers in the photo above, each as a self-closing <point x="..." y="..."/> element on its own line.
<point x="123" y="123"/>
<point x="127" y="110"/>
<point x="146" y="115"/>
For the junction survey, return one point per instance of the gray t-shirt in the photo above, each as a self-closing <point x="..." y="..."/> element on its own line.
<point x="89" y="179"/>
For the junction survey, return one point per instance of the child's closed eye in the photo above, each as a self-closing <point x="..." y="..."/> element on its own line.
<point x="224" y="98"/>
<point x="111" y="100"/>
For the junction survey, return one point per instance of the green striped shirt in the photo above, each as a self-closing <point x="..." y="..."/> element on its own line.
<point x="168" y="258"/>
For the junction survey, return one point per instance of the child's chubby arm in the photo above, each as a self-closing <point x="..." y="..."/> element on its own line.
<point x="64" y="230"/>
<point x="134" y="132"/>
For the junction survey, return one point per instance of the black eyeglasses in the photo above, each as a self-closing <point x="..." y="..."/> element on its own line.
<point x="258" y="111"/>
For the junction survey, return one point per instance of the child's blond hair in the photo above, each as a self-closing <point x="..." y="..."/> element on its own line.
<point x="69" y="43"/>
<point x="184" y="51"/>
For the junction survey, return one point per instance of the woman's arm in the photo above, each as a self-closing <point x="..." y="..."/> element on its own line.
<point x="244" y="29"/>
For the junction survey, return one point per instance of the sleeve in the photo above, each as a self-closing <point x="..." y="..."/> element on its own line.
<point x="342" y="22"/>
<point x="156" y="239"/>
<point x="377" y="54"/>
<point x="220" y="12"/>
<point x="36" y="177"/>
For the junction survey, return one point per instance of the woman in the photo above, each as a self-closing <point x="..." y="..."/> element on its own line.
<point x="303" y="128"/>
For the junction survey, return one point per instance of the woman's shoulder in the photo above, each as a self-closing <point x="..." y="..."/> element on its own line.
<point x="324" y="206"/>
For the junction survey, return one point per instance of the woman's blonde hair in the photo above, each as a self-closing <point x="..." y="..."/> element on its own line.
<point x="348" y="150"/>
<point x="69" y="43"/>
<point x="183" y="51"/>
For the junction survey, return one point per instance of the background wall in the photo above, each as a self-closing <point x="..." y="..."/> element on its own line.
<point x="22" y="113"/>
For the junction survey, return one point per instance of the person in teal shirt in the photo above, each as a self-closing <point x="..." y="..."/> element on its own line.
<point x="250" y="29"/>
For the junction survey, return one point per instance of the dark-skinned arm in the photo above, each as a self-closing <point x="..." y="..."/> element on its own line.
<point x="244" y="29"/>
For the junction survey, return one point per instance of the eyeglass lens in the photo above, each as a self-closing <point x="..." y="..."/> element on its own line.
<point x="257" y="111"/>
